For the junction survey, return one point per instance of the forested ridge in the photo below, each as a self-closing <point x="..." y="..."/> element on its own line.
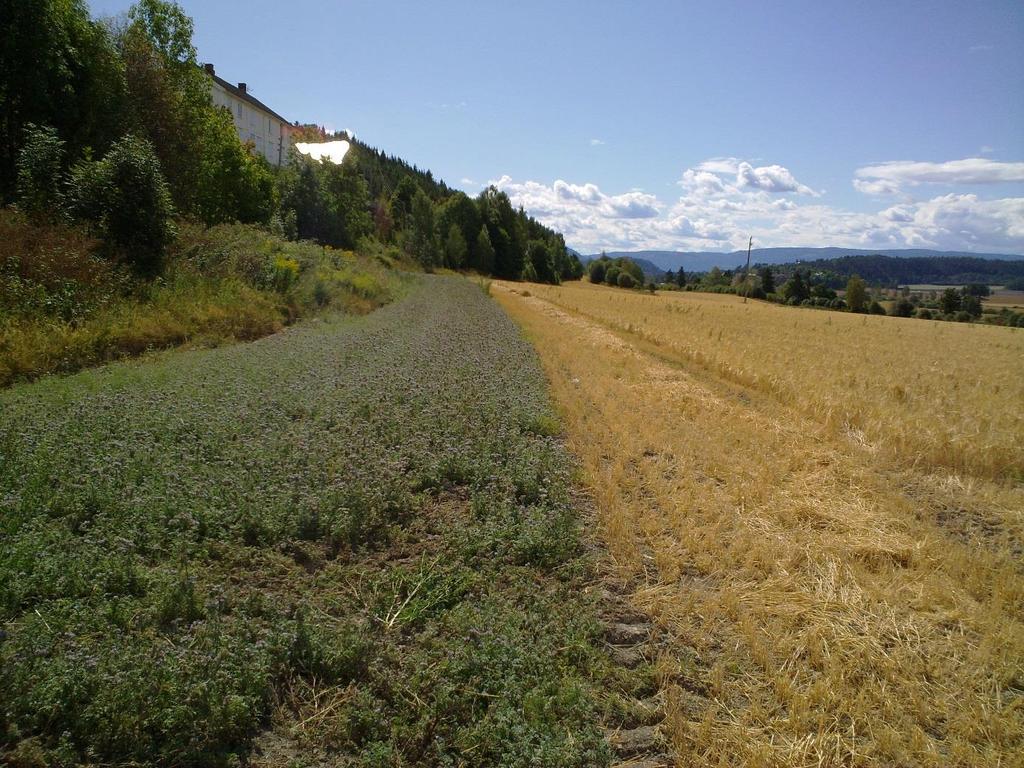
<point x="129" y="92"/>
<point x="891" y="271"/>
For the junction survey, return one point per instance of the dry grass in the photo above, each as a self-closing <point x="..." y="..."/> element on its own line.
<point x="932" y="394"/>
<point x="1003" y="298"/>
<point x="824" y="604"/>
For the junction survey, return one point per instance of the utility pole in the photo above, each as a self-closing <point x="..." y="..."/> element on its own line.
<point x="746" y="272"/>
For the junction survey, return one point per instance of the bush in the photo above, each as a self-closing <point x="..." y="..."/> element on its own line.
<point x="925" y="314"/>
<point x="876" y="309"/>
<point x="611" y="275"/>
<point x="625" y="280"/>
<point x="126" y="197"/>
<point x="596" y="272"/>
<point x="963" y="317"/>
<point x="903" y="308"/>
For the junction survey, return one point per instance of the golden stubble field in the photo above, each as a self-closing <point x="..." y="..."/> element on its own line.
<point x="821" y="512"/>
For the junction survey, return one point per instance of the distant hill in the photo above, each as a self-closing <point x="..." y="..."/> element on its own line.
<point x="701" y="261"/>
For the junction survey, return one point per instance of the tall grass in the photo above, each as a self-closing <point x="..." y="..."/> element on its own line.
<point x="63" y="307"/>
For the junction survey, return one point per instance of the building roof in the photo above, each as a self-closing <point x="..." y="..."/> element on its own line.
<point x="244" y="95"/>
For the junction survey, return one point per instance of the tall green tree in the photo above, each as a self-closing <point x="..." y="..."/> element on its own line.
<point x="540" y="260"/>
<point x="795" y="289"/>
<point x="211" y="174"/>
<point x="401" y="201"/>
<point x="455" y="249"/>
<point x="484" y="251"/>
<point x="423" y="240"/>
<point x="57" y="68"/>
<point x="950" y="301"/>
<point x="348" y="204"/>
<point x="41" y="170"/>
<point x="856" y="294"/>
<point x="768" y="280"/>
<point x="506" y="233"/>
<point x="459" y="210"/>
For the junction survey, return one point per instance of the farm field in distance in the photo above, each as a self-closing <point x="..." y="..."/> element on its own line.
<point x="822" y="513"/>
<point x="350" y="543"/>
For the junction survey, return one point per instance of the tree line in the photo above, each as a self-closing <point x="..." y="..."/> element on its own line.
<point x="893" y="271"/>
<point x="111" y="122"/>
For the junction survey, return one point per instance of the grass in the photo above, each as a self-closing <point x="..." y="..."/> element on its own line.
<point x="63" y="307"/>
<point x="833" y="592"/>
<point x="351" y="543"/>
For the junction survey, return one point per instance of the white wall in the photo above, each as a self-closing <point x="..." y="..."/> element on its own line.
<point x="264" y="130"/>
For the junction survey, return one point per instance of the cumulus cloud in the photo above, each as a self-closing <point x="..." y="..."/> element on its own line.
<point x="724" y="200"/>
<point x="972" y="170"/>
<point x="585" y="200"/>
<point x="702" y="181"/>
<point x="587" y="193"/>
<point x="596" y="143"/>
<point x="770" y="178"/>
<point x="730" y="175"/>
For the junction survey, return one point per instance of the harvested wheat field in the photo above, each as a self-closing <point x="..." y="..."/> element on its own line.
<point x="821" y="512"/>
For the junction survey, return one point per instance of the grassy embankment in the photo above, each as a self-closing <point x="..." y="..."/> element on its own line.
<point x="352" y="543"/>
<point x="823" y="513"/>
<point x="63" y="306"/>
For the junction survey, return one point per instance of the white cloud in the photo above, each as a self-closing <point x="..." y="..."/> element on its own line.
<point x="596" y="143"/>
<point x="704" y="182"/>
<point x="877" y="187"/>
<point x="725" y="200"/>
<point x="587" y="193"/>
<point x="770" y="178"/>
<point x="724" y="165"/>
<point x="468" y="182"/>
<point x="972" y="170"/>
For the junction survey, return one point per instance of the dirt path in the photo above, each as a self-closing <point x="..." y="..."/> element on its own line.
<point x="814" y="606"/>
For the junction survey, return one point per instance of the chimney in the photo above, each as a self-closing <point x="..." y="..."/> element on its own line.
<point x="241" y="87"/>
<point x="209" y="69"/>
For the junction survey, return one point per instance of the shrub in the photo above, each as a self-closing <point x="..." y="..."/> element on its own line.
<point x="925" y="314"/>
<point x="127" y="198"/>
<point x="596" y="272"/>
<point x="611" y="275"/>
<point x="876" y="308"/>
<point x="903" y="308"/>
<point x="625" y="280"/>
<point x="286" y="272"/>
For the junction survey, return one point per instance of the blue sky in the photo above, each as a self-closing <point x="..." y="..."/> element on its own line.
<point x="675" y="125"/>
